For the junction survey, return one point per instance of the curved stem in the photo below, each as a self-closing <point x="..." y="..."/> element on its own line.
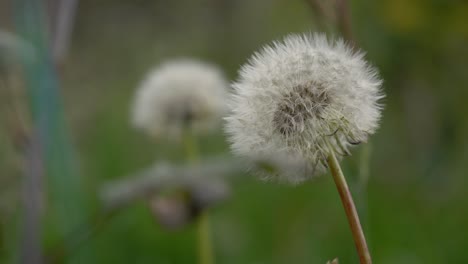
<point x="350" y="209"/>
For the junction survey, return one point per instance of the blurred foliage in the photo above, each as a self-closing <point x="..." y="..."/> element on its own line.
<point x="417" y="203"/>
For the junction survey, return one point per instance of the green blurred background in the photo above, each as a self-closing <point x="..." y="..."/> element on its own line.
<point x="417" y="207"/>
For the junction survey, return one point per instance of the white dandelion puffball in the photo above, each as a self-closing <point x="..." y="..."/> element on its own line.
<point x="180" y="94"/>
<point x="304" y="97"/>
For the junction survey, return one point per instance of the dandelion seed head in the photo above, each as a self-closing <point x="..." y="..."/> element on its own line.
<point x="179" y="94"/>
<point x="295" y="95"/>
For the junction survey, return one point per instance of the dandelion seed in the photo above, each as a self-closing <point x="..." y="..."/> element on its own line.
<point x="179" y="95"/>
<point x="298" y="95"/>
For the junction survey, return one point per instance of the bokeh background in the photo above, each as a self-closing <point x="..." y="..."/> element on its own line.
<point x="414" y="208"/>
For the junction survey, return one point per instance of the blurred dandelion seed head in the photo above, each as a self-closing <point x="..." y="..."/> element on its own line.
<point x="180" y="94"/>
<point x="295" y="95"/>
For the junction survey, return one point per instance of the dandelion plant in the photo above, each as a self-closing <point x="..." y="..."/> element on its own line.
<point x="311" y="99"/>
<point x="179" y="100"/>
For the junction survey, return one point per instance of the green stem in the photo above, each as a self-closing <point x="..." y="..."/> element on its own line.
<point x="205" y="248"/>
<point x="191" y="147"/>
<point x="350" y="208"/>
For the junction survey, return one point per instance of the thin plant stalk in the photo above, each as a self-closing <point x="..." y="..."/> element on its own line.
<point x="64" y="186"/>
<point x="344" y="21"/>
<point x="63" y="29"/>
<point x="204" y="240"/>
<point x="350" y="208"/>
<point x="205" y="247"/>
<point x="343" y="15"/>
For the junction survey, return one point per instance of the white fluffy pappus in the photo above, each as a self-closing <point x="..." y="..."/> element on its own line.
<point x="303" y="97"/>
<point x="180" y="94"/>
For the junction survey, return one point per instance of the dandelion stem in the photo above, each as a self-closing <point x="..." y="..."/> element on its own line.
<point x="204" y="241"/>
<point x="191" y="147"/>
<point x="205" y="248"/>
<point x="350" y="208"/>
